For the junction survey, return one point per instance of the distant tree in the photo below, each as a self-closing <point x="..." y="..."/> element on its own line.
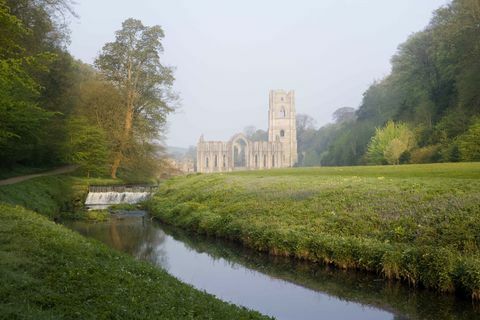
<point x="344" y="114"/>
<point x="249" y="131"/>
<point x="132" y="64"/>
<point x="255" y="134"/>
<point x="389" y="143"/>
<point x="304" y="122"/>
<point x="306" y="139"/>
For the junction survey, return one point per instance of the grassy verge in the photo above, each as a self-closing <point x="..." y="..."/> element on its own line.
<point x="50" y="272"/>
<point x="417" y="223"/>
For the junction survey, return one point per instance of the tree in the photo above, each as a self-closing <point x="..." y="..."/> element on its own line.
<point x="344" y="114"/>
<point x="389" y="143"/>
<point x="469" y="143"/>
<point x="305" y="125"/>
<point x="132" y="64"/>
<point x="22" y="121"/>
<point x="255" y="134"/>
<point x="86" y="146"/>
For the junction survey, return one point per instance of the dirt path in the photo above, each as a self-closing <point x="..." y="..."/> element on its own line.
<point x="18" y="179"/>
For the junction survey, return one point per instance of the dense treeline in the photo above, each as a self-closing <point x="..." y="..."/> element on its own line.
<point x="433" y="92"/>
<point x="55" y="109"/>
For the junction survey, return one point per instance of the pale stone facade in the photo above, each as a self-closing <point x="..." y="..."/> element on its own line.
<point x="240" y="153"/>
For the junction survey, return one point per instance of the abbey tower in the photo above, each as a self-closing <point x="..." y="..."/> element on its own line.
<point x="282" y="123"/>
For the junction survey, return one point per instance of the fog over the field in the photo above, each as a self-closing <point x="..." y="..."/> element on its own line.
<point x="229" y="54"/>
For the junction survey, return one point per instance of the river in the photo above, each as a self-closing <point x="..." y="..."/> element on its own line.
<point x="279" y="287"/>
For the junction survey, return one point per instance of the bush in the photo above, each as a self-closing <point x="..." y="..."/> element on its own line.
<point x="426" y="154"/>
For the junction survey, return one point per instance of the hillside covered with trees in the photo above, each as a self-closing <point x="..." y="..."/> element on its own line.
<point x="107" y="118"/>
<point x="426" y="110"/>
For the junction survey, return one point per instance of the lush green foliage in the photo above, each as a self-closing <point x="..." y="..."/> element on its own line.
<point x="50" y="272"/>
<point x="389" y="143"/>
<point x="433" y="87"/>
<point x="35" y="73"/>
<point x="55" y="109"/>
<point x="469" y="143"/>
<point x="86" y="145"/>
<point x="418" y="223"/>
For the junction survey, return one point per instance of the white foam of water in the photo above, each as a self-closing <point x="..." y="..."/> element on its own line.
<point x="104" y="199"/>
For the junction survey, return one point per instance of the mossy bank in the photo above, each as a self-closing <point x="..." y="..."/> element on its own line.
<point x="417" y="223"/>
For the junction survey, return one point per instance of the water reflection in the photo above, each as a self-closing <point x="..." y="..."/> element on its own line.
<point x="284" y="288"/>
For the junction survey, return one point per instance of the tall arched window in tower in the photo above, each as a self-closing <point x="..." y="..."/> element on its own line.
<point x="282" y="133"/>
<point x="283" y="114"/>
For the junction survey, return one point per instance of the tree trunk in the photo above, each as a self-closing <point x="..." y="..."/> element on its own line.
<point x="128" y="122"/>
<point x="125" y="136"/>
<point x="115" y="165"/>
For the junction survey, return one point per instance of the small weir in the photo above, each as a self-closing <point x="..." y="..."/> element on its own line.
<point x="101" y="197"/>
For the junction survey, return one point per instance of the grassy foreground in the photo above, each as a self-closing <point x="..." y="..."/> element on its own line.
<point x="417" y="223"/>
<point x="50" y="272"/>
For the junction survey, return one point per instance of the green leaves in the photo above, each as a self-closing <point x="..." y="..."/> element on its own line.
<point x="389" y="143"/>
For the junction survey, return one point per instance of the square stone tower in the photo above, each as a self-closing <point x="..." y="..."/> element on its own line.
<point x="282" y="124"/>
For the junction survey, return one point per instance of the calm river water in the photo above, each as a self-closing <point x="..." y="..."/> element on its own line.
<point x="280" y="287"/>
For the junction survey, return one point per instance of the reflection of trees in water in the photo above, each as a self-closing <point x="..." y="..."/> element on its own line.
<point x="134" y="236"/>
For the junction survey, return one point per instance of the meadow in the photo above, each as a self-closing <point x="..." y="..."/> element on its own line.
<point x="415" y="223"/>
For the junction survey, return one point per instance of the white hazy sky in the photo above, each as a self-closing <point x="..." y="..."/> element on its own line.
<point x="229" y="54"/>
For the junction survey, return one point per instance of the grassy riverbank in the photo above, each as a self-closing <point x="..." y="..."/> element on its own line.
<point x="418" y="223"/>
<point x="50" y="272"/>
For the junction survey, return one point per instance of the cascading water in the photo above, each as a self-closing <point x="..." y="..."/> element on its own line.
<point x="103" y="197"/>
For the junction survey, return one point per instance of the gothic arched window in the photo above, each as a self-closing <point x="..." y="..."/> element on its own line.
<point x="282" y="133"/>
<point x="282" y="112"/>
<point x="216" y="161"/>
<point x="206" y="162"/>
<point x="273" y="161"/>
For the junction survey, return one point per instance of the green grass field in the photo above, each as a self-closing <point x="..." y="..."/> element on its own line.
<point x="417" y="223"/>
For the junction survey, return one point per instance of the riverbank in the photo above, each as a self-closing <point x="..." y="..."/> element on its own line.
<point x="50" y="272"/>
<point x="416" y="223"/>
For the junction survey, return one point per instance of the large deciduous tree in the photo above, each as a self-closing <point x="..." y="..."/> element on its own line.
<point x="132" y="64"/>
